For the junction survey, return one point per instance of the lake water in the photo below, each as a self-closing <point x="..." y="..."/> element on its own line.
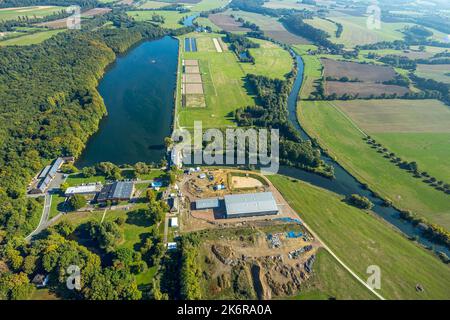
<point x="138" y="90"/>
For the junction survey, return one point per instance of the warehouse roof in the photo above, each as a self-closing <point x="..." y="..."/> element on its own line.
<point x="237" y="204"/>
<point x="117" y="190"/>
<point x="82" y="189"/>
<point x="207" y="203"/>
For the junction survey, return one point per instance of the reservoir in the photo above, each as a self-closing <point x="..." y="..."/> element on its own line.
<point x="138" y="90"/>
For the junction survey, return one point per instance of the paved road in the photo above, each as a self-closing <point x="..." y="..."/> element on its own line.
<point x="44" y="217"/>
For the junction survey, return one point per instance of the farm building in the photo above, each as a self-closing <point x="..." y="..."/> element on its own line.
<point x="47" y="175"/>
<point x="174" y="204"/>
<point x="250" y="204"/>
<point x="117" y="191"/>
<point x="207" y="203"/>
<point x="91" y="189"/>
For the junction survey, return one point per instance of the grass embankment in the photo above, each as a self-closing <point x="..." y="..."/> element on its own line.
<point x="335" y="133"/>
<point x="361" y="239"/>
<point x="331" y="281"/>
<point x="312" y="72"/>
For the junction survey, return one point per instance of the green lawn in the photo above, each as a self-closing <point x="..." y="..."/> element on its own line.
<point x="223" y="85"/>
<point x="172" y="18"/>
<point x="312" y="70"/>
<point x="331" y="281"/>
<point x="361" y="239"/>
<point x="334" y="131"/>
<point x="28" y="39"/>
<point x="270" y="60"/>
<point x="153" y="5"/>
<point x="30" y="12"/>
<point x="206" y="5"/>
<point x="57" y="202"/>
<point x="429" y="150"/>
<point x="205" y="22"/>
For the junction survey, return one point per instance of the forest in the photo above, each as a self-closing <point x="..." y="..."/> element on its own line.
<point x="60" y="111"/>
<point x="271" y="112"/>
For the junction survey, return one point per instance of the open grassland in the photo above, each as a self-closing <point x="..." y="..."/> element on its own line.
<point x="270" y="26"/>
<point x="29" y="12"/>
<point x="363" y="89"/>
<point x="223" y="83"/>
<point x="171" y="18"/>
<point x="206" y="5"/>
<point x="312" y="70"/>
<point x="361" y="239"/>
<point x="359" y="71"/>
<point x="287" y="4"/>
<point x="337" y="134"/>
<point x="431" y="151"/>
<point x="270" y="60"/>
<point x="206" y="22"/>
<point x="223" y="79"/>
<point x="29" y="39"/>
<point x="413" y="53"/>
<point x="396" y="115"/>
<point x="438" y="72"/>
<point x="331" y="281"/>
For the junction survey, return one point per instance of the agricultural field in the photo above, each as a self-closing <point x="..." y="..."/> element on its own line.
<point x="365" y="79"/>
<point x="343" y="140"/>
<point x="205" y="5"/>
<point x="206" y="22"/>
<point x="270" y="60"/>
<point x="226" y="22"/>
<point x="437" y="72"/>
<point x="270" y="26"/>
<point x="331" y="281"/>
<point x="361" y="239"/>
<point x="28" y="39"/>
<point x="288" y="4"/>
<point x="29" y="12"/>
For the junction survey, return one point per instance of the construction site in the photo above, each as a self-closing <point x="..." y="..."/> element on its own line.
<point x="265" y="253"/>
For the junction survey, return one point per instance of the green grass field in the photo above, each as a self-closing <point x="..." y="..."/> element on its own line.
<point x="356" y="31"/>
<point x="30" y="12"/>
<point x="171" y="18"/>
<point x="28" y="39"/>
<point x="206" y="5"/>
<point x="361" y="239"/>
<point x="331" y="281"/>
<point x="153" y="5"/>
<point x="312" y="70"/>
<point x="335" y="133"/>
<point x="270" y="60"/>
<point x="205" y="22"/>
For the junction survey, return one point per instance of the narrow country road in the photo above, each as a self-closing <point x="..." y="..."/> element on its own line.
<point x="44" y="217"/>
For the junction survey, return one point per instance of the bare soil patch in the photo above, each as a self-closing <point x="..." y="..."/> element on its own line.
<point x="62" y="23"/>
<point x="360" y="71"/>
<point x="192" y="78"/>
